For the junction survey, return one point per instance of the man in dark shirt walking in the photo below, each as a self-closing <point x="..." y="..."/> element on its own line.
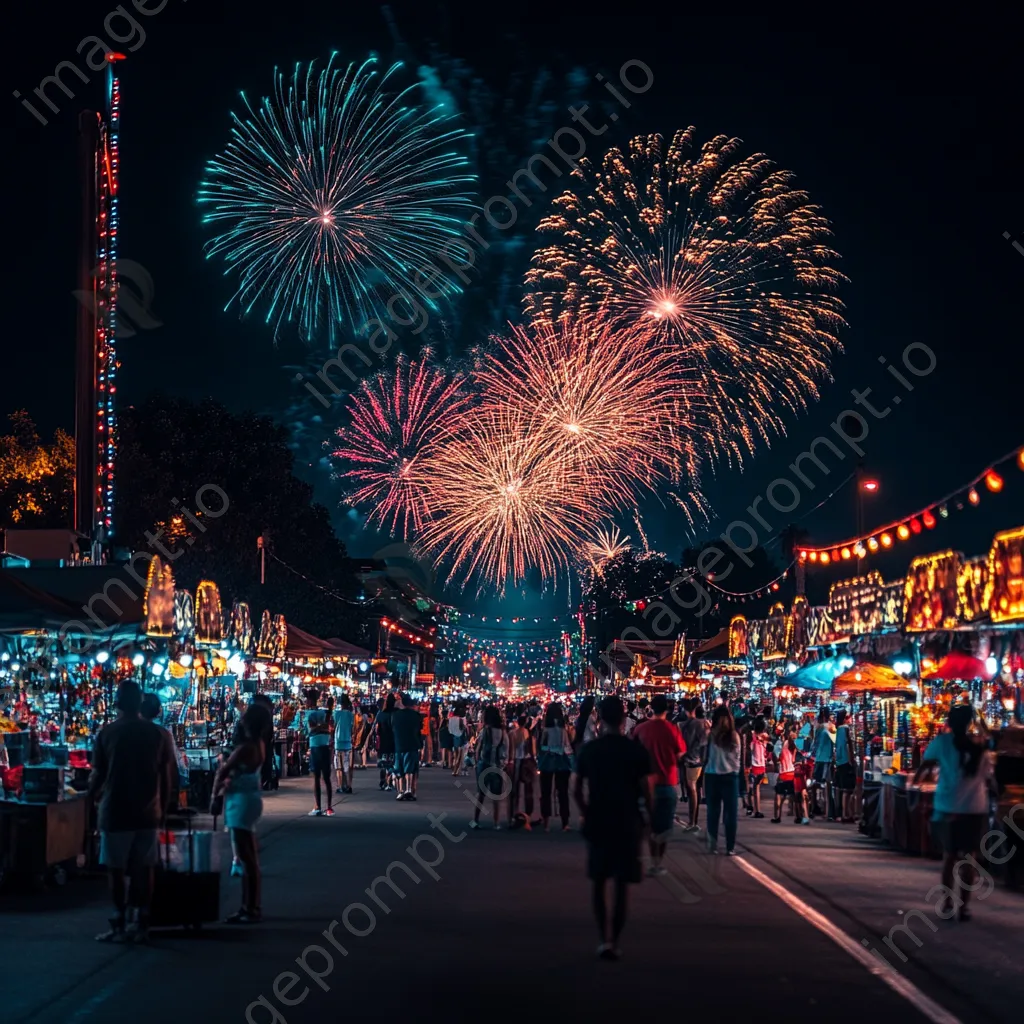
<point x="617" y="772"/>
<point x="132" y="777"/>
<point x="407" y="724"/>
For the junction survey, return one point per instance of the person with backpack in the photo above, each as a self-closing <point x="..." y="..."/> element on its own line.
<point x="490" y="754"/>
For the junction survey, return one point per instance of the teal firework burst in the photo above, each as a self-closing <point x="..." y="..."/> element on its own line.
<point x="335" y="197"/>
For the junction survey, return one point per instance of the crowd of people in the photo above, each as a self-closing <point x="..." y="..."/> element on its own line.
<point x="627" y="765"/>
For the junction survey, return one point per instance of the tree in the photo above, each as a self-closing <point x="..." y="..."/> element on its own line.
<point x="179" y="459"/>
<point x="37" y="480"/>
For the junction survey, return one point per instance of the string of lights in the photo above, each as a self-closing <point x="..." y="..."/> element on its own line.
<point x="883" y="537"/>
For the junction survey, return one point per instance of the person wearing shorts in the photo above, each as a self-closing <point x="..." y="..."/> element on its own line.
<point x="318" y="734"/>
<point x="664" y="744"/>
<point x="407" y="725"/>
<point x="695" y="736"/>
<point x="132" y="778"/>
<point x="785" y="788"/>
<point x="758" y="749"/>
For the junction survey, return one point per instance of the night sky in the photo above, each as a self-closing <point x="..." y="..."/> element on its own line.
<point x="909" y="140"/>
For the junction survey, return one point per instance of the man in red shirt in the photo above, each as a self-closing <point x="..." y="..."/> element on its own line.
<point x="665" y="745"/>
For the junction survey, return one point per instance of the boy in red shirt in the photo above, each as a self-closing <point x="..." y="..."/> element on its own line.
<point x="665" y="746"/>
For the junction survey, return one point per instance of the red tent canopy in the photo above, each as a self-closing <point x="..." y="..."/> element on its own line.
<point x="957" y="665"/>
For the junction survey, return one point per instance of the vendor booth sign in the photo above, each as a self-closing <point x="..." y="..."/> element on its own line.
<point x="930" y="592"/>
<point x="158" y="602"/>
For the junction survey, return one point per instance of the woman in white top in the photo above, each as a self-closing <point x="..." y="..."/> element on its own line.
<point x="457" y="728"/>
<point x="961" y="806"/>
<point x="721" y="778"/>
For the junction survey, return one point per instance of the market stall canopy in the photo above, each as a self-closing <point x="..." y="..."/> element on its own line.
<point x="819" y="675"/>
<point x="26" y="607"/>
<point x="101" y="597"/>
<point x="344" y="649"/>
<point x="877" y="679"/>
<point x="957" y="665"/>
<point x="304" y="645"/>
<point x="720" y="639"/>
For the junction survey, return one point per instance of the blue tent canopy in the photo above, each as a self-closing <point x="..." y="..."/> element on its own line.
<point x="818" y="675"/>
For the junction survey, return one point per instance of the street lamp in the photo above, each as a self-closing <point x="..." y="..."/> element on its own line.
<point x="865" y="485"/>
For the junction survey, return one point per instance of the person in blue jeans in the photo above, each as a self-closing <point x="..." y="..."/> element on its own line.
<point x="721" y="778"/>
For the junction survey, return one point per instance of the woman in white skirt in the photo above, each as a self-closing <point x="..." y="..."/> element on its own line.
<point x="238" y="779"/>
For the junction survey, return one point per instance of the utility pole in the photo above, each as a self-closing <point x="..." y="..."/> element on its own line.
<point x="261" y="545"/>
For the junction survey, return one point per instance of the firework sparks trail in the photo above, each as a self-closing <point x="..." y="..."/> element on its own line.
<point x="605" y="400"/>
<point x="717" y="254"/>
<point x="505" y="502"/>
<point x="332" y="194"/>
<point x="395" y="420"/>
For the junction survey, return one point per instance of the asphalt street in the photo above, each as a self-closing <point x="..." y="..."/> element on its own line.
<point x="497" y="925"/>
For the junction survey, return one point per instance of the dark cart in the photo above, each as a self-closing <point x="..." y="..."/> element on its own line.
<point x="184" y="899"/>
<point x="41" y="839"/>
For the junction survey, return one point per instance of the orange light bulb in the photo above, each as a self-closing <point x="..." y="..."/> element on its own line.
<point x="846" y="552"/>
<point x="886" y="540"/>
<point x="903" y="531"/>
<point x="873" y="543"/>
<point x="993" y="481"/>
<point x="973" y="497"/>
<point x="824" y="558"/>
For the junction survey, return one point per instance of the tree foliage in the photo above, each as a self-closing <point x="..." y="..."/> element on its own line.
<point x="176" y="456"/>
<point x="37" y="480"/>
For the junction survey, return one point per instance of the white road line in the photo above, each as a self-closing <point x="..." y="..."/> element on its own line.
<point x="900" y="985"/>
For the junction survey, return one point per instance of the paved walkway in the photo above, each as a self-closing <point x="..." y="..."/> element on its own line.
<point x="484" y="922"/>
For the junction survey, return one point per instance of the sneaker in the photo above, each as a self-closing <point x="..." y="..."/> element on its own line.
<point x="497" y="827"/>
<point x="411" y="796"/>
<point x="758" y="814"/>
<point x="315" y="813"/>
<point x="329" y="812"/>
<point x="567" y="828"/>
<point x="116" y="932"/>
<point x="804" y="821"/>
<point x="339" y="791"/>
<point x="603" y="950"/>
<point x="775" y="821"/>
<point x="244" y="916"/>
<point x="474" y="824"/>
<point x="237" y="870"/>
<point x="400" y="796"/>
<point x="730" y="853"/>
<point x="346" y="789"/>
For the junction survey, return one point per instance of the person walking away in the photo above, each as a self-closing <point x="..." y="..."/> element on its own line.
<point x="344" y="724"/>
<point x="695" y="737"/>
<point x="786" y="751"/>
<point x="614" y="776"/>
<point x="555" y="765"/>
<point x="961" y="805"/>
<point x="490" y="755"/>
<point x="459" y="728"/>
<point x="262" y="708"/>
<point x="722" y="778"/>
<point x="758" y="746"/>
<point x="151" y="710"/>
<point x="846" y="771"/>
<point x="407" y="724"/>
<point x="524" y="771"/>
<point x="359" y="726"/>
<point x="444" y="739"/>
<point x="383" y="733"/>
<point x="632" y="718"/>
<point x="665" y="746"/>
<point x="238" y="780"/>
<point x="435" y="728"/>
<point x="319" y="737"/>
<point x="823" y="750"/>
<point x="587" y="724"/>
<point x="132" y="776"/>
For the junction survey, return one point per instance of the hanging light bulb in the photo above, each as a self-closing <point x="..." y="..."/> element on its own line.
<point x="872" y="543"/>
<point x="825" y="558"/>
<point x="944" y="511"/>
<point x="915" y="525"/>
<point x="139" y="660"/>
<point x="886" y="540"/>
<point x="993" y="481"/>
<point x="903" y="531"/>
<point x="846" y="553"/>
<point x="973" y="497"/>
<point x="929" y="520"/>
